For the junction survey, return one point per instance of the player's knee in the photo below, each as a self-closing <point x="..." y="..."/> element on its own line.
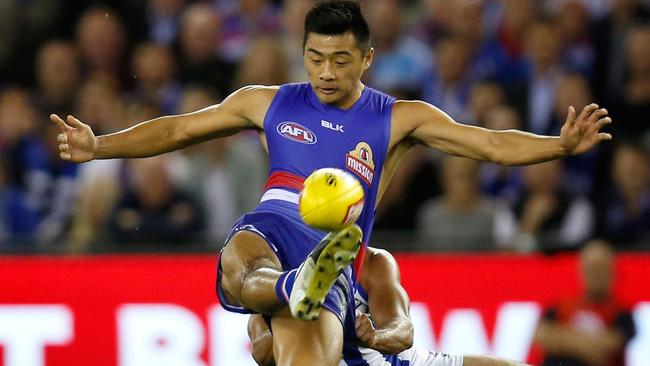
<point x="232" y="274"/>
<point x="245" y="253"/>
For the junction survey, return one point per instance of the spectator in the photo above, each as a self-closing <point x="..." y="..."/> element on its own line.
<point x="414" y="182"/>
<point x="100" y="102"/>
<point x="610" y="67"/>
<point x="100" y="181"/>
<point x="17" y="219"/>
<point x="502" y="57"/>
<point x="579" y="51"/>
<point x="634" y="101"/>
<point x="501" y="182"/>
<point x="293" y="16"/>
<point x="101" y="39"/>
<point x="226" y="176"/>
<point x="164" y="18"/>
<point x="47" y="182"/>
<point x="24" y="25"/>
<point x="152" y="211"/>
<point x="573" y="90"/>
<point x="462" y="219"/>
<point x="154" y="68"/>
<point x="58" y="74"/>
<point x="17" y="141"/>
<point x="244" y="20"/>
<point x="8" y="33"/>
<point x="483" y="97"/>
<point x="199" y="41"/>
<point x="593" y="328"/>
<point x="549" y="218"/>
<point x="543" y="47"/>
<point x="401" y="61"/>
<point x="264" y="64"/>
<point x="449" y="84"/>
<point x="625" y="210"/>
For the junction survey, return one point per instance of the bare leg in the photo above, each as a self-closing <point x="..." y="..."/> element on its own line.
<point x="488" y="361"/>
<point x="250" y="271"/>
<point x="315" y="343"/>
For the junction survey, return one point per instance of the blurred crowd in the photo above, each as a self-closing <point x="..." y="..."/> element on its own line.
<point x="501" y="64"/>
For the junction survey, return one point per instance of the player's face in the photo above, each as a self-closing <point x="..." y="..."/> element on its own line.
<point x="335" y="65"/>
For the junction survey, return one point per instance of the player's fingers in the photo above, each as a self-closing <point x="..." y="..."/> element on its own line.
<point x="364" y="334"/>
<point x="603" y="122"/>
<point x="604" y="136"/>
<point x="571" y="115"/>
<point x="587" y="111"/>
<point x="362" y="324"/>
<point x="65" y="155"/>
<point x="59" y="122"/>
<point x="63" y="147"/>
<point x="598" y="114"/>
<point x="62" y="137"/>
<point x="74" y="122"/>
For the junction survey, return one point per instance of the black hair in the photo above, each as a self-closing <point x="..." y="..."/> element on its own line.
<point x="338" y="17"/>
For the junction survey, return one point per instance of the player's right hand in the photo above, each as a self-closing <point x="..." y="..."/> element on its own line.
<point x="365" y="330"/>
<point x="77" y="142"/>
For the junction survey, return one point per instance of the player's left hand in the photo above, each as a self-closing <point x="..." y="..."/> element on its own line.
<point x="365" y="330"/>
<point x="581" y="133"/>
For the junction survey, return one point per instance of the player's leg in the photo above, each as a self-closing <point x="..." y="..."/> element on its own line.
<point x="249" y="272"/>
<point x="488" y="361"/>
<point x="297" y="342"/>
<point x="419" y="357"/>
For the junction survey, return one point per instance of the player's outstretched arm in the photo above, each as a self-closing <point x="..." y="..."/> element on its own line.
<point x="390" y="330"/>
<point x="427" y="124"/>
<point x="244" y="109"/>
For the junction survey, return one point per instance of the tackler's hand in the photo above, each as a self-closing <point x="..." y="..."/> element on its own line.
<point x="581" y="133"/>
<point x="365" y="330"/>
<point x="77" y="142"/>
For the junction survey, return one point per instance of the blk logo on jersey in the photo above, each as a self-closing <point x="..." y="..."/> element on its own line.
<point x="331" y="126"/>
<point x="360" y="162"/>
<point x="297" y="132"/>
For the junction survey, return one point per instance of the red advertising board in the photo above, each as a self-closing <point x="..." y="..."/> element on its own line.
<point x="124" y="310"/>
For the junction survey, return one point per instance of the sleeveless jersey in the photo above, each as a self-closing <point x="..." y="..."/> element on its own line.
<point x="304" y="134"/>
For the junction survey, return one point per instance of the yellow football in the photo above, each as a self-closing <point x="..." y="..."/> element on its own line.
<point x="331" y="199"/>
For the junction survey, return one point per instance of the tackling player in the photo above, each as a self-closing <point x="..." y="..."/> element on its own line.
<point x="383" y="331"/>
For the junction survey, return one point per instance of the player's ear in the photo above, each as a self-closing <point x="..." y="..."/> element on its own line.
<point x="367" y="58"/>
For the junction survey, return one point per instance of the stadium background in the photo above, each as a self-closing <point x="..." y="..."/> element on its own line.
<point x="495" y="63"/>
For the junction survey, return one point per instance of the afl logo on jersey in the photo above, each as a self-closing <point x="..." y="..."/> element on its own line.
<point x="360" y="162"/>
<point x="297" y="132"/>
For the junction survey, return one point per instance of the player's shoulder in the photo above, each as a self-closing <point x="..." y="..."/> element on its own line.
<point x="407" y="109"/>
<point x="379" y="259"/>
<point x="257" y="91"/>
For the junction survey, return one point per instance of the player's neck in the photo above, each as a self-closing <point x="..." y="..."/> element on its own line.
<point x="349" y="100"/>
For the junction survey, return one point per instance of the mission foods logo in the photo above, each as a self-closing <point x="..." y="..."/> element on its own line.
<point x="360" y="162"/>
<point x="297" y="132"/>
